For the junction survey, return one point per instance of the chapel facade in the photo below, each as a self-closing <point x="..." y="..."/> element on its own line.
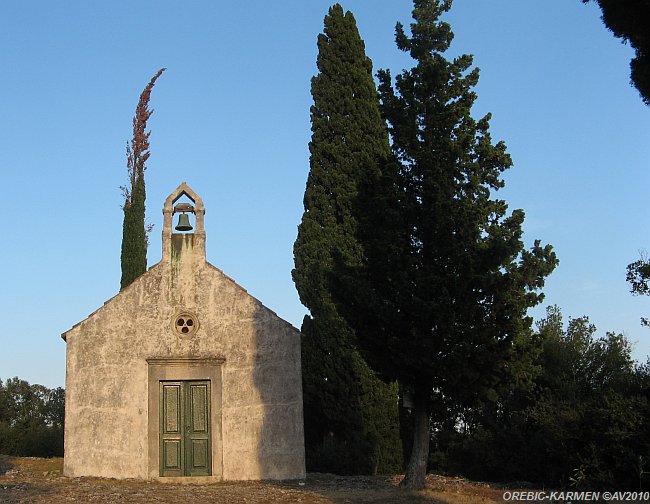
<point x="184" y="374"/>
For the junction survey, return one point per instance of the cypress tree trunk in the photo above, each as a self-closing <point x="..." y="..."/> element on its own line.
<point x="416" y="471"/>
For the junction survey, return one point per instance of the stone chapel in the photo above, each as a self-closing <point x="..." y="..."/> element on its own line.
<point x="184" y="374"/>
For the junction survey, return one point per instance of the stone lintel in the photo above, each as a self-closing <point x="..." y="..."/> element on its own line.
<point x="179" y="361"/>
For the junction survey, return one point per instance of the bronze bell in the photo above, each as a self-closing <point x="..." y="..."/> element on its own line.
<point x="183" y="223"/>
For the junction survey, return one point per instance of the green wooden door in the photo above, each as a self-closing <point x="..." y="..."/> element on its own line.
<point x="185" y="448"/>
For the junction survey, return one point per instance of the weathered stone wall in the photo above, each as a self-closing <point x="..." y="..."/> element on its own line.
<point x="258" y="427"/>
<point x="106" y="383"/>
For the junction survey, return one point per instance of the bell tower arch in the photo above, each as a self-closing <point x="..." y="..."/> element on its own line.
<point x="197" y="208"/>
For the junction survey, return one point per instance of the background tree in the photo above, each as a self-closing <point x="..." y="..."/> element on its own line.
<point x="31" y="419"/>
<point x="134" y="231"/>
<point x="630" y="20"/>
<point x="586" y="415"/>
<point x="351" y="418"/>
<point x="638" y="276"/>
<point x="439" y="301"/>
<point x="584" y="423"/>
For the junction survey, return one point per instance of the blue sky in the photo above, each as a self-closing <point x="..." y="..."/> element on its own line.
<point x="232" y="119"/>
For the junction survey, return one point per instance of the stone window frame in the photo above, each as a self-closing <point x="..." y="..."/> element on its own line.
<point x="185" y="314"/>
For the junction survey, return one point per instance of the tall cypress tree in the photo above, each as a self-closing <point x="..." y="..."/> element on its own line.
<point x="351" y="417"/>
<point x="629" y="20"/>
<point x="439" y="300"/>
<point x="134" y="232"/>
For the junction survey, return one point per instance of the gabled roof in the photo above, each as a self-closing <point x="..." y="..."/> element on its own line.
<point x="151" y="271"/>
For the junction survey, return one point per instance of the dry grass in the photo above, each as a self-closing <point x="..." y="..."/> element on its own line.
<point x="36" y="480"/>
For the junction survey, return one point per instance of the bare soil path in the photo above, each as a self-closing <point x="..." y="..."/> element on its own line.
<point x="35" y="480"/>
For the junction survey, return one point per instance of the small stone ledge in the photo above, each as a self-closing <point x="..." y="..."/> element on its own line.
<point x="176" y="361"/>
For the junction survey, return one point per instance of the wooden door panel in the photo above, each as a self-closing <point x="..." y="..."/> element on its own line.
<point x="198" y="432"/>
<point x="199" y="408"/>
<point x="200" y="455"/>
<point x="172" y="455"/>
<point x="171" y="435"/>
<point x="185" y="441"/>
<point x="172" y="408"/>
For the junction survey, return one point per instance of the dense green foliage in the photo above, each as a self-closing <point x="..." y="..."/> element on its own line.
<point x="31" y="419"/>
<point x="351" y="418"/>
<point x="134" y="232"/>
<point x="584" y="424"/>
<point x="638" y="276"/>
<point x="630" y="20"/>
<point x="134" y="238"/>
<point x="439" y="299"/>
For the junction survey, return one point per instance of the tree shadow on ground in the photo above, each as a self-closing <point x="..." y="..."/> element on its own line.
<point x="336" y="489"/>
<point x="6" y="463"/>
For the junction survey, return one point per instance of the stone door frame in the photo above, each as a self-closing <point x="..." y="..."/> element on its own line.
<point x="184" y="369"/>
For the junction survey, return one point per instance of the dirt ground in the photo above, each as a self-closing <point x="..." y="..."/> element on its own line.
<point x="36" y="480"/>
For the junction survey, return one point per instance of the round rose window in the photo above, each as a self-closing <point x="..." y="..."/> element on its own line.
<point x="185" y="323"/>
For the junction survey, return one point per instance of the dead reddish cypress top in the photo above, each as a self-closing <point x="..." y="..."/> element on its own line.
<point x="137" y="152"/>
